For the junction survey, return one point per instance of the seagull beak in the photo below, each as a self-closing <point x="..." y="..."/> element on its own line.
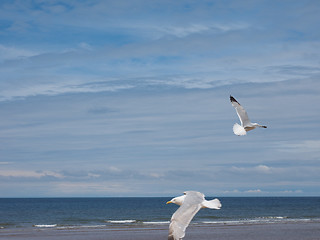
<point x="168" y="202"/>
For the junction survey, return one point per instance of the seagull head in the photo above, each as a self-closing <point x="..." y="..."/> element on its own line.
<point x="177" y="200"/>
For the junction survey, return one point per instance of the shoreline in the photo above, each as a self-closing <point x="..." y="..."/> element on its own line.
<point x="261" y="231"/>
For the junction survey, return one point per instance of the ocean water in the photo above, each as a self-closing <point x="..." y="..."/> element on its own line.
<point x="64" y="213"/>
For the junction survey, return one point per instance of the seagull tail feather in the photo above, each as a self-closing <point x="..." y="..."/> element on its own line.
<point x="239" y="130"/>
<point x="213" y="204"/>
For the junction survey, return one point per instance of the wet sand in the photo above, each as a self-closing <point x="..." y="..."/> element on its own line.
<point x="279" y="231"/>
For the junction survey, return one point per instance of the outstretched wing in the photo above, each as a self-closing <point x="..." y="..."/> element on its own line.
<point x="180" y="221"/>
<point x="242" y="114"/>
<point x="183" y="216"/>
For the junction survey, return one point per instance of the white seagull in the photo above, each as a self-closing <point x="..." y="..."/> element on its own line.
<point x="190" y="203"/>
<point x="246" y="125"/>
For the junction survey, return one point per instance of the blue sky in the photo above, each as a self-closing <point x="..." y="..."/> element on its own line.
<point x="131" y="98"/>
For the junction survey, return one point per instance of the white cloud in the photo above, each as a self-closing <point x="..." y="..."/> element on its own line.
<point x="114" y="169"/>
<point x="263" y="169"/>
<point x="85" y="46"/>
<point x="231" y="191"/>
<point x="80" y="188"/>
<point x="93" y="175"/>
<point x="155" y="175"/>
<point x="194" y="28"/>
<point x="249" y="192"/>
<point x="10" y="53"/>
<point x="238" y="192"/>
<point x="57" y="88"/>
<point x="302" y="146"/>
<point x="185" y="82"/>
<point x="256" y="169"/>
<point x="291" y="191"/>
<point x="185" y="31"/>
<point x="29" y="174"/>
<point x="253" y="191"/>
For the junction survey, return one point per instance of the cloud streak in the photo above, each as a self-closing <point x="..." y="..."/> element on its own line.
<point x="306" y="146"/>
<point x="29" y="174"/>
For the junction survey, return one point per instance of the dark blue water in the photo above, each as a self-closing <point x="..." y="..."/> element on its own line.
<point x="141" y="212"/>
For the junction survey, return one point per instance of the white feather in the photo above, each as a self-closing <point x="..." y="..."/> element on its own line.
<point x="213" y="204"/>
<point x="239" y="130"/>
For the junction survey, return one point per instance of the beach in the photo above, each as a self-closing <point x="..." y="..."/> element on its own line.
<point x="274" y="231"/>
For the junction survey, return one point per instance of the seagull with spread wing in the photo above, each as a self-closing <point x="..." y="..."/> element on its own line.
<point x="190" y="203"/>
<point x="246" y="124"/>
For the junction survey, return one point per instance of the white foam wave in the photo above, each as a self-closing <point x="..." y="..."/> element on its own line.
<point x="277" y="219"/>
<point x="121" y="221"/>
<point x="235" y="222"/>
<point x="45" y="225"/>
<point x="81" y="226"/>
<point x="157" y="223"/>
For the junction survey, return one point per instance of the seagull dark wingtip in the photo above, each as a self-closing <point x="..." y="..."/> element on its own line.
<point x="232" y="99"/>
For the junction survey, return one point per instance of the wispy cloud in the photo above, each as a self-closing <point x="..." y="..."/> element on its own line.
<point x="254" y="191"/>
<point x="260" y="192"/>
<point x="184" y="31"/>
<point x="11" y="53"/>
<point x="29" y="174"/>
<point x="294" y="70"/>
<point x="87" y="188"/>
<point x="306" y="146"/>
<point x="257" y="169"/>
<point x="250" y="191"/>
<point x="61" y="87"/>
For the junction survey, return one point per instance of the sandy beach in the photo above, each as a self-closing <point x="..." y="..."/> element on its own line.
<point x="292" y="231"/>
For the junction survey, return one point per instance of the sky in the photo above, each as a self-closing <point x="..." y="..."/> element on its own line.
<point x="131" y="98"/>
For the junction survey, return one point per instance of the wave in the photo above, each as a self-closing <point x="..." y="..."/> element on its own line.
<point x="258" y="220"/>
<point x="45" y="225"/>
<point x="114" y="223"/>
<point x="131" y="221"/>
<point x="121" y="221"/>
<point x="81" y="226"/>
<point x="157" y="223"/>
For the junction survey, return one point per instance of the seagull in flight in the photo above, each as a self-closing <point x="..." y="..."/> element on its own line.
<point x="246" y="124"/>
<point x="190" y="203"/>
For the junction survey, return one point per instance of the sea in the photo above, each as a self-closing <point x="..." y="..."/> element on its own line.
<point x="146" y="212"/>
